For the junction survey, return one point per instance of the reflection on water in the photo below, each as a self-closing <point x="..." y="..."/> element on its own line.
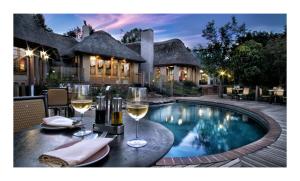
<point x="203" y="130"/>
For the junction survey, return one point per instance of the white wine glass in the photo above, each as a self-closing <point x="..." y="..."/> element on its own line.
<point x="137" y="108"/>
<point x="81" y="101"/>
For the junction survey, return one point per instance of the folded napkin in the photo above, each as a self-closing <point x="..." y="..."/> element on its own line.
<point x="58" y="121"/>
<point x="74" y="154"/>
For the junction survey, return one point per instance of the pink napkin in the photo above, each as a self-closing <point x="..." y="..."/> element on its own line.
<point x="74" y="154"/>
<point x="58" y="121"/>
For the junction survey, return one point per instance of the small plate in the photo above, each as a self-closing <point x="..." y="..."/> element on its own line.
<point x="93" y="159"/>
<point x="44" y="126"/>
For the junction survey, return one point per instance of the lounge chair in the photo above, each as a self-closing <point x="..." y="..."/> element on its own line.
<point x="229" y="92"/>
<point x="245" y="94"/>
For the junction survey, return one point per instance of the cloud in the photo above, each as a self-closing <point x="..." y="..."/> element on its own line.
<point x="110" y="22"/>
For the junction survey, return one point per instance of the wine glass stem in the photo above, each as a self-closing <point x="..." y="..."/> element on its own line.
<point x="81" y="120"/>
<point x="136" y="129"/>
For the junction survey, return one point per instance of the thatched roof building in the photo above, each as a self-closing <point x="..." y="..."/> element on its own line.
<point x="102" y="43"/>
<point x="171" y="52"/>
<point x="28" y="32"/>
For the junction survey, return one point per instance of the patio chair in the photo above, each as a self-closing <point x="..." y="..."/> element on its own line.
<point x="264" y="97"/>
<point x="245" y="94"/>
<point x="229" y="92"/>
<point x="279" y="94"/>
<point x="28" y="111"/>
<point x="57" y="99"/>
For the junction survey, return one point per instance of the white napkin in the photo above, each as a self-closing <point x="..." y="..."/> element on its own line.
<point x="74" y="154"/>
<point x="58" y="121"/>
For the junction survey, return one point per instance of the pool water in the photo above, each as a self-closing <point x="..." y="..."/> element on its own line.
<point x="203" y="130"/>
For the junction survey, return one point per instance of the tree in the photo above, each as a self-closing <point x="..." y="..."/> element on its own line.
<point x="248" y="63"/>
<point x="260" y="37"/>
<point x="75" y="32"/>
<point x="275" y="55"/>
<point x="132" y="36"/>
<point x="40" y="19"/>
<point x="216" y="56"/>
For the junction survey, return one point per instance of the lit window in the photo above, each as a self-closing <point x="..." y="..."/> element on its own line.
<point x="170" y="72"/>
<point x="92" y="65"/>
<point x="20" y="61"/>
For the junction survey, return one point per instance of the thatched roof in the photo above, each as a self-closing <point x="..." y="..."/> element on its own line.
<point x="171" y="52"/>
<point x="26" y="29"/>
<point x="102" y="43"/>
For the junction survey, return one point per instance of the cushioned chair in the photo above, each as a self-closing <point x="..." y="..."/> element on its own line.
<point x="245" y="94"/>
<point x="229" y="92"/>
<point x="57" y="99"/>
<point x="28" y="111"/>
<point x="279" y="95"/>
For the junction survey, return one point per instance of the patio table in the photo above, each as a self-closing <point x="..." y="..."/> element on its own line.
<point x="236" y="91"/>
<point x="31" y="143"/>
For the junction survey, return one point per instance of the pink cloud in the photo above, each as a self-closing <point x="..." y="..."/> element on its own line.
<point x="117" y="21"/>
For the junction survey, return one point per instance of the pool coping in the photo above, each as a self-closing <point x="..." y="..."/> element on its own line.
<point x="274" y="131"/>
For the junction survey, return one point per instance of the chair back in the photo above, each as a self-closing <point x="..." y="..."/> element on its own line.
<point x="57" y="97"/>
<point x="28" y="111"/>
<point x="229" y="90"/>
<point x="246" y="91"/>
<point x="279" y="92"/>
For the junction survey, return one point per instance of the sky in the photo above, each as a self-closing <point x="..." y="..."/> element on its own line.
<point x="186" y="27"/>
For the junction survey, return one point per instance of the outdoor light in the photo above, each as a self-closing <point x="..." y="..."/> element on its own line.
<point x="28" y="52"/>
<point x="46" y="57"/>
<point x="43" y="53"/>
<point x="222" y="73"/>
<point x="229" y="75"/>
<point x="201" y="71"/>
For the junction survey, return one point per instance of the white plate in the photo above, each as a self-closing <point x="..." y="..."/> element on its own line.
<point x="44" y="126"/>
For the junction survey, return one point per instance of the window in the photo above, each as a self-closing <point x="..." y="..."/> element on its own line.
<point x="20" y="61"/>
<point x="93" y="65"/>
<point x="170" y="72"/>
<point x="108" y="67"/>
<point x="114" y="68"/>
<point x="157" y="73"/>
<point x="182" y="73"/>
<point x="100" y="67"/>
<point x="125" y="69"/>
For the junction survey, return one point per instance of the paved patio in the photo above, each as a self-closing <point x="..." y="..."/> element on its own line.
<point x="273" y="155"/>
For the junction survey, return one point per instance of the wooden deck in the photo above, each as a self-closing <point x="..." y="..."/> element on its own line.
<point x="274" y="155"/>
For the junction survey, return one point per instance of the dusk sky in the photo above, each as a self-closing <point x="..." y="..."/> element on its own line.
<point x="187" y="27"/>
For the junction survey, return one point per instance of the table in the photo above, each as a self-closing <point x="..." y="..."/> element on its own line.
<point x="236" y="92"/>
<point x="31" y="143"/>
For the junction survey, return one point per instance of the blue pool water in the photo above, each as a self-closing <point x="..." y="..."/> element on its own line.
<point x="203" y="130"/>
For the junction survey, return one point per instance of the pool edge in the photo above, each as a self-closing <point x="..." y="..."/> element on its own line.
<point x="274" y="131"/>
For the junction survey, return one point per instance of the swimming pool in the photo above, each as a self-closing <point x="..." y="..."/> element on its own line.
<point x="201" y="130"/>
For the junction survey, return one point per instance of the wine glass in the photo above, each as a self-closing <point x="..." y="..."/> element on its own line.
<point x="81" y="101"/>
<point x="137" y="108"/>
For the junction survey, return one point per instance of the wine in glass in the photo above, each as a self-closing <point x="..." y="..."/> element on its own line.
<point x="81" y="102"/>
<point x="137" y="108"/>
